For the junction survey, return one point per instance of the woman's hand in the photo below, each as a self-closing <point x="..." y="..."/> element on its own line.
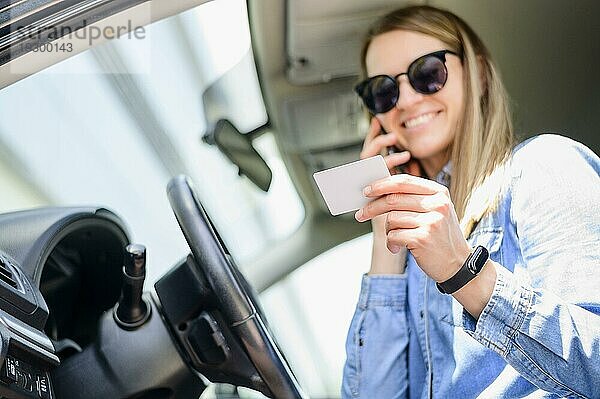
<point x="376" y="143"/>
<point x="420" y="216"/>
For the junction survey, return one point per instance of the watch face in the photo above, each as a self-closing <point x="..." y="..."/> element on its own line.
<point x="472" y="266"/>
<point x="467" y="272"/>
<point x="477" y="260"/>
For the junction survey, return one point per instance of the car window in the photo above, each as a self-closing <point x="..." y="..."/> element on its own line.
<point x="111" y="125"/>
<point x="310" y="311"/>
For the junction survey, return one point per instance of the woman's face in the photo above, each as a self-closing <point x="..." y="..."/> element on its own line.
<point x="424" y="124"/>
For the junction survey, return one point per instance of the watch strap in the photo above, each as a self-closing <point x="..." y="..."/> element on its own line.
<point x="466" y="273"/>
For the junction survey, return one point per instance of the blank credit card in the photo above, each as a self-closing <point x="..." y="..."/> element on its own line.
<point x="342" y="186"/>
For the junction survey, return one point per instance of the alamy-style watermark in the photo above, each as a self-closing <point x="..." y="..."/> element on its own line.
<point x="38" y="46"/>
<point x="67" y="34"/>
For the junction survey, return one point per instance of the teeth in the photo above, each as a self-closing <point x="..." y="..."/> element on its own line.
<point x="419" y="120"/>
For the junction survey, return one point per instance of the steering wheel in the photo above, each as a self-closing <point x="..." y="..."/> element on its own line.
<point x="235" y="302"/>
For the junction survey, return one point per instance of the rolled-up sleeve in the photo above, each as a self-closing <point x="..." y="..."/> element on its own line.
<point x="377" y="342"/>
<point x="547" y="326"/>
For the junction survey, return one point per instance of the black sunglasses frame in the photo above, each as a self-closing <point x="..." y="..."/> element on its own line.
<point x="360" y="88"/>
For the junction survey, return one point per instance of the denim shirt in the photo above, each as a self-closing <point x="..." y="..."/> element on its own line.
<point x="539" y="334"/>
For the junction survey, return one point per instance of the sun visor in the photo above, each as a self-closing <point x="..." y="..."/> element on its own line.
<point x="324" y="37"/>
<point x="322" y="120"/>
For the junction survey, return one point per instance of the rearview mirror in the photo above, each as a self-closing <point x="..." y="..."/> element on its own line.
<point x="239" y="149"/>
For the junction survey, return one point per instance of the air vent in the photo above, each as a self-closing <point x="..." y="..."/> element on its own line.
<point x="6" y="274"/>
<point x="14" y="287"/>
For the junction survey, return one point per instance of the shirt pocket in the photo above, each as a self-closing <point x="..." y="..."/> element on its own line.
<point x="489" y="237"/>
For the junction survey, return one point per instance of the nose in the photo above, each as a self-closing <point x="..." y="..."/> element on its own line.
<point x="407" y="95"/>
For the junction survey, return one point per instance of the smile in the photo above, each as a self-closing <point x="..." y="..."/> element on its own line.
<point x="419" y="120"/>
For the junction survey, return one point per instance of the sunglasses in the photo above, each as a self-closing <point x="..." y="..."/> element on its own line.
<point x="426" y="74"/>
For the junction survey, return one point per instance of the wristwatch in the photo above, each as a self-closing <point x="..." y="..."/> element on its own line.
<point x="466" y="273"/>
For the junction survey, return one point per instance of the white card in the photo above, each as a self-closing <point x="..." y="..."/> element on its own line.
<point x="342" y="186"/>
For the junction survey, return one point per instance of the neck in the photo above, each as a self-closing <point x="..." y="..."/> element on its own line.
<point x="433" y="166"/>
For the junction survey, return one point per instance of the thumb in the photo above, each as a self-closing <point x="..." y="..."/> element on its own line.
<point x="397" y="159"/>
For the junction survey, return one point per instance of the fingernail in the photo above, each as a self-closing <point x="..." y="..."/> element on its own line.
<point x="367" y="190"/>
<point x="358" y="215"/>
<point x="394" y="249"/>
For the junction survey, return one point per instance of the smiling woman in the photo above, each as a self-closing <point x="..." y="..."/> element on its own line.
<point x="463" y="292"/>
<point x="437" y="114"/>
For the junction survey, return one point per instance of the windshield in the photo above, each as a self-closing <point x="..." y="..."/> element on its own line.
<point x="112" y="125"/>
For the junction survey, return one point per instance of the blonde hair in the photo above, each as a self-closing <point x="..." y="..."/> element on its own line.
<point x="484" y="136"/>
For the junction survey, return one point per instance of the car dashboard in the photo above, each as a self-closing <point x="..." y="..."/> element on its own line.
<point x="65" y="277"/>
<point x="27" y="351"/>
<point x="62" y="277"/>
<point x="59" y="271"/>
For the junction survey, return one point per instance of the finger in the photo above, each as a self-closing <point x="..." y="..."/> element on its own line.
<point x="375" y="146"/>
<point x="410" y="238"/>
<point x="374" y="129"/>
<point x="404" y="183"/>
<point x="399" y="220"/>
<point x="394" y="160"/>
<point x="403" y="220"/>
<point x="393" y="202"/>
<point x="397" y="159"/>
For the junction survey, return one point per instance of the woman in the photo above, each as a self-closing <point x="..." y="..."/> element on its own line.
<point x="483" y="280"/>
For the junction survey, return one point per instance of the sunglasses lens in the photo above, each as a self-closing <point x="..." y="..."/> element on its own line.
<point x="428" y="75"/>
<point x="380" y="94"/>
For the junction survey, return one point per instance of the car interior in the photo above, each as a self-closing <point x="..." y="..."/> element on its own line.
<point x="161" y="233"/>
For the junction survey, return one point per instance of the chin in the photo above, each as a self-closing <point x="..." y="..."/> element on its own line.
<point x="427" y="141"/>
<point x="425" y="150"/>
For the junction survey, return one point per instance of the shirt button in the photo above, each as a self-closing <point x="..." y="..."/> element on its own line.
<point x="422" y="314"/>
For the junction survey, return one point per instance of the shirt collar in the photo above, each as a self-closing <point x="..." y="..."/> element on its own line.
<point x="445" y="174"/>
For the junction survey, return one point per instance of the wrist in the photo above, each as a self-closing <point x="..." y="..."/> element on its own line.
<point x="454" y="264"/>
<point x="385" y="262"/>
<point x="382" y="260"/>
<point x="452" y="281"/>
<point x="475" y="295"/>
